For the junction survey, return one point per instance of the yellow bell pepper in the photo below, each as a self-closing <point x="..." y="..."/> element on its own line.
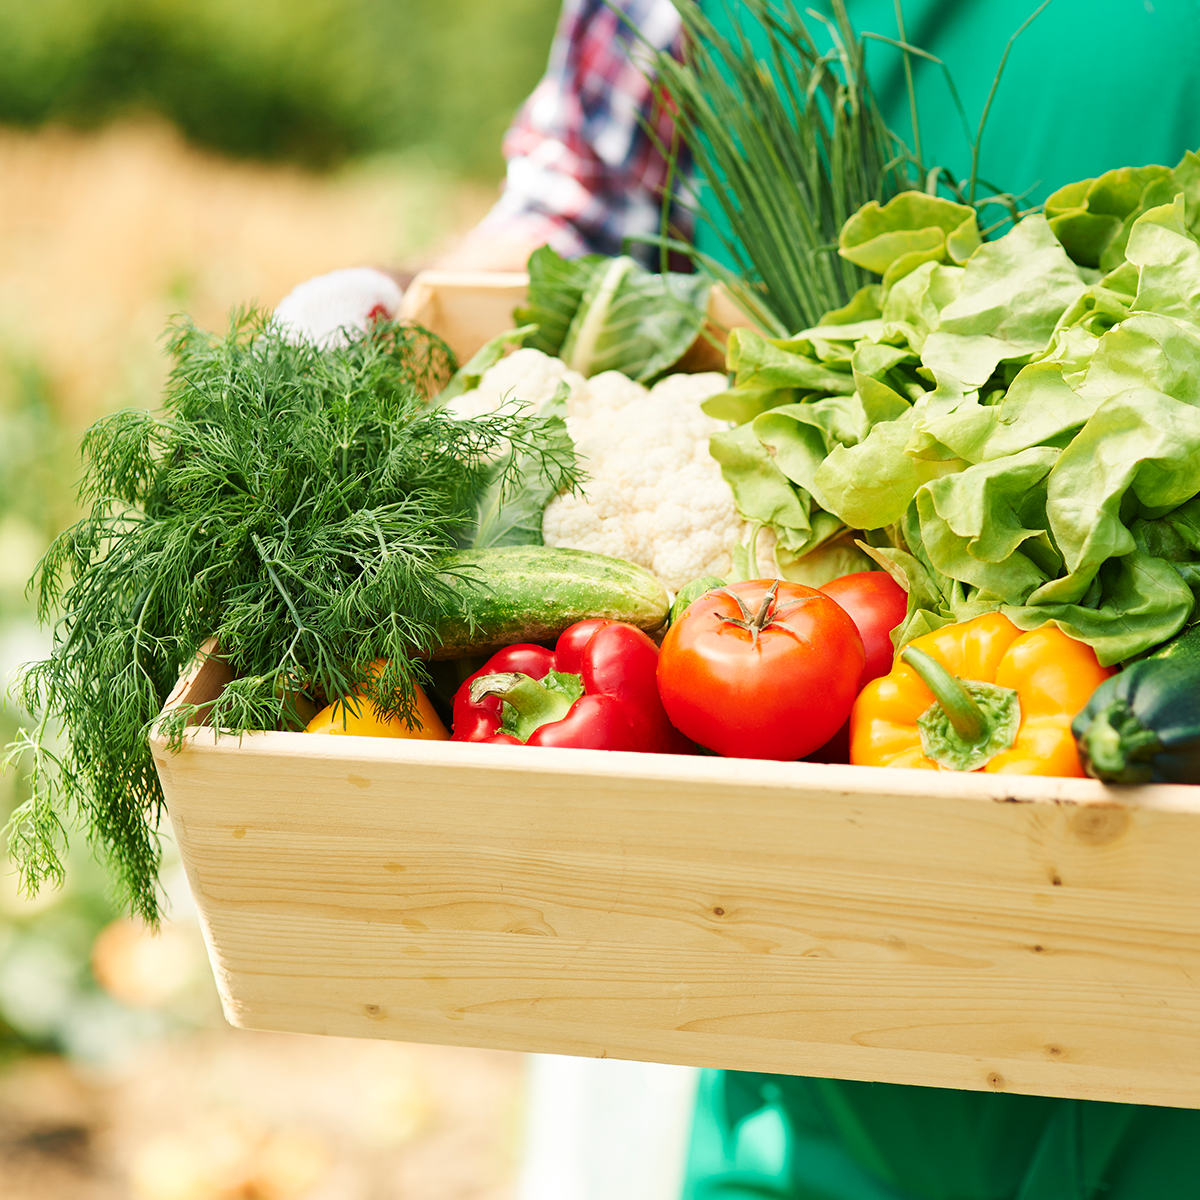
<point x="341" y="718"/>
<point x="1004" y="701"/>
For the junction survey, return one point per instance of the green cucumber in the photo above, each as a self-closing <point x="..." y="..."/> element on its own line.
<point x="693" y="591"/>
<point x="532" y="593"/>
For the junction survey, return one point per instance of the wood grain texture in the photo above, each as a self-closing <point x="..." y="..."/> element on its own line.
<point x="989" y="932"/>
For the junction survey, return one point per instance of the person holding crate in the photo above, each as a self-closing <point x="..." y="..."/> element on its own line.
<point x="586" y="175"/>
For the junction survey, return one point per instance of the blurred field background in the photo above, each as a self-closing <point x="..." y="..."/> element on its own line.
<point x="159" y="156"/>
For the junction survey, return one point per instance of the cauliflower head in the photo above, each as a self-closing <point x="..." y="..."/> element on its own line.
<point x="654" y="495"/>
<point x="525" y="376"/>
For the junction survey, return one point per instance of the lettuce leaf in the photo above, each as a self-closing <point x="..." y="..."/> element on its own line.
<point x="986" y="526"/>
<point x="1167" y="255"/>
<point x="1013" y="292"/>
<point x="1138" y="455"/>
<point x="1089" y="215"/>
<point x="871" y="485"/>
<point x="1013" y="431"/>
<point x="769" y="372"/>
<point x="763" y="492"/>
<point x="913" y="228"/>
<point x="758" y="361"/>
<point x="1136" y="602"/>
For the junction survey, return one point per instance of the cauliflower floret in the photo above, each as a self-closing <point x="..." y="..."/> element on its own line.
<point x="528" y="376"/>
<point x="654" y="496"/>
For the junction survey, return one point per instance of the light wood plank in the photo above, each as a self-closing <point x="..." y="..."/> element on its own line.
<point x="464" y="308"/>
<point x="958" y="930"/>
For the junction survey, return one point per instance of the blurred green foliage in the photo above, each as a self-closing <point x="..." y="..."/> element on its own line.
<point x="39" y="465"/>
<point x="48" y="999"/>
<point x="309" y="81"/>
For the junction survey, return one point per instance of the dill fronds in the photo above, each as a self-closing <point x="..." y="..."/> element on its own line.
<point x="294" y="502"/>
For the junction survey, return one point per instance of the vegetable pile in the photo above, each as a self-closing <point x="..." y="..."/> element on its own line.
<point x="920" y="532"/>
<point x="1012" y="426"/>
<point x="654" y="494"/>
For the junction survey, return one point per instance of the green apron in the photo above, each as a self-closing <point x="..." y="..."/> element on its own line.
<point x="780" y="1137"/>
<point x="1091" y="85"/>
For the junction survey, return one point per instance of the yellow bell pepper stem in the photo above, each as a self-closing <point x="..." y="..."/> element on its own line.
<point x="1052" y="675"/>
<point x="969" y="723"/>
<point x="961" y="711"/>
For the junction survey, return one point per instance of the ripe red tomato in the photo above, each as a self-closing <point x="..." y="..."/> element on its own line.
<point x="876" y="604"/>
<point x="761" y="669"/>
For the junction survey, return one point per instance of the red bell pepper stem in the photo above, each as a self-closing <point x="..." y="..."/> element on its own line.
<point x="535" y="705"/>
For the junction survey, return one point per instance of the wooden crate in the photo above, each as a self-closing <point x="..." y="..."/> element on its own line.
<point x="972" y="931"/>
<point x="466" y="308"/>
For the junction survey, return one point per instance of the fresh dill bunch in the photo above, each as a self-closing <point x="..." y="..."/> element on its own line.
<point x="290" y="501"/>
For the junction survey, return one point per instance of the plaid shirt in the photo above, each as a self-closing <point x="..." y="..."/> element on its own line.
<point x="583" y="173"/>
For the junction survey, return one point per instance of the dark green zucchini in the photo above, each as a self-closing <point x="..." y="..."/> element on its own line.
<point x="1183" y="647"/>
<point x="1143" y="725"/>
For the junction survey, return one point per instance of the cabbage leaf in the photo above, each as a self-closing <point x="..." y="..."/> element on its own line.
<point x="609" y="314"/>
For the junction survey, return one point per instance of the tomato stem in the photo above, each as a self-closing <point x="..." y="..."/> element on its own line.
<point x="764" y="618"/>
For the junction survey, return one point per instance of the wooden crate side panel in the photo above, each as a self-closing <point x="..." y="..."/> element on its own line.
<point x="533" y="799"/>
<point x="542" y="903"/>
<point x="826" y="885"/>
<point x="464" y="308"/>
<point x="817" y="1018"/>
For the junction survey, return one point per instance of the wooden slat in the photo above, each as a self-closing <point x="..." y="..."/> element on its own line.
<point x="1032" y="935"/>
<point x="464" y="308"/>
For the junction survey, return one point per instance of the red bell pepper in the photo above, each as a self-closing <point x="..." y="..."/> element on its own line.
<point x="596" y="690"/>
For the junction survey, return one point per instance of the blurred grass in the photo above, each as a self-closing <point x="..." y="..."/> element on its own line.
<point x="314" y="82"/>
<point x="104" y="235"/>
